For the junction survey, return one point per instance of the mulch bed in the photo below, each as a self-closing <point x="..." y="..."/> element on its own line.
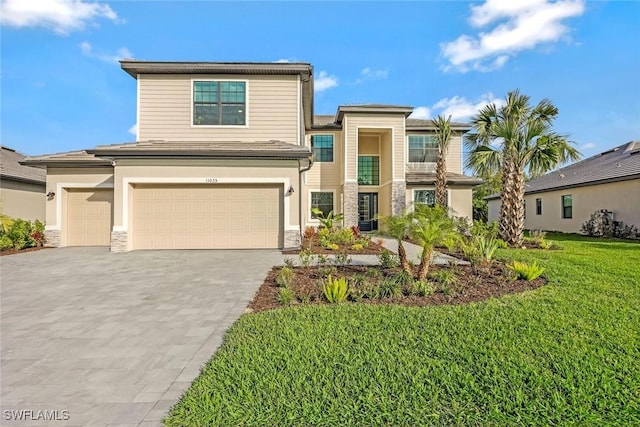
<point x="20" y="251"/>
<point x="312" y="243"/>
<point x="471" y="286"/>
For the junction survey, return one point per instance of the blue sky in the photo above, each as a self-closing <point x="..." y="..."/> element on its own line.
<point x="63" y="89"/>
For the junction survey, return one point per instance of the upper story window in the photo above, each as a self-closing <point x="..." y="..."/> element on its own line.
<point x="567" y="206"/>
<point x="218" y="103"/>
<point x="423" y="149"/>
<point x="322" y="148"/>
<point x="368" y="170"/>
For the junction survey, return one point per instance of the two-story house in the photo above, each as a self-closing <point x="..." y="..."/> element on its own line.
<point x="230" y="155"/>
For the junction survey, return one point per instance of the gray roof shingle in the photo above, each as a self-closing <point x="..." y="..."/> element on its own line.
<point x="621" y="163"/>
<point x="10" y="168"/>
<point x="429" y="178"/>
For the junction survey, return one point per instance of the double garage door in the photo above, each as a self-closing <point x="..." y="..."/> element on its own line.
<point x="207" y="216"/>
<point x="182" y="216"/>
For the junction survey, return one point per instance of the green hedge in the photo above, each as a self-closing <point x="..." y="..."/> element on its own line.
<point x="20" y="233"/>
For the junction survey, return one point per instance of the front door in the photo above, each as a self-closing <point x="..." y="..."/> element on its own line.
<point x="367" y="211"/>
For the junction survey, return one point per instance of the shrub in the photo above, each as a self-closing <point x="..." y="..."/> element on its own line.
<point x="321" y="259"/>
<point x="487" y="246"/>
<point x="389" y="288"/>
<point x="20" y="234"/>
<point x="357" y="287"/>
<point x="421" y="288"/>
<point x="309" y="232"/>
<point x="285" y="296"/>
<point x="289" y="262"/>
<point x="364" y="241"/>
<point x="525" y="271"/>
<point x="324" y="232"/>
<point x="403" y="278"/>
<point x="335" y="290"/>
<point x="546" y="244"/>
<point x="373" y="273"/>
<point x="333" y="246"/>
<point x="306" y="257"/>
<point x="601" y="224"/>
<point x="357" y="247"/>
<point x="5" y="243"/>
<point x="327" y="271"/>
<point x="329" y="220"/>
<point x="444" y="277"/>
<point x="284" y="277"/>
<point x="387" y="259"/>
<point x="341" y="236"/>
<point x="355" y="230"/>
<point x="341" y="259"/>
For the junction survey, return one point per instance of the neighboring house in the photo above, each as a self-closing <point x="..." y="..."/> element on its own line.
<point x="230" y="155"/>
<point x="22" y="188"/>
<point x="564" y="199"/>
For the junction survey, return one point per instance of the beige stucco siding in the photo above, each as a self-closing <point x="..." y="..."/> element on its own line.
<point x="165" y="109"/>
<point x="22" y="200"/>
<point x="459" y="199"/>
<point x="60" y="180"/>
<point x="619" y="197"/>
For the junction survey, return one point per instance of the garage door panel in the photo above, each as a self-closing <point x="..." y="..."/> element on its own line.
<point x="207" y="216"/>
<point x="89" y="217"/>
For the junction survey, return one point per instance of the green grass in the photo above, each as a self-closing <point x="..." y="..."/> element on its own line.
<point x="567" y="353"/>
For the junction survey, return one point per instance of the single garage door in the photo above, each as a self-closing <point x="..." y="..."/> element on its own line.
<point x="207" y="216"/>
<point x="89" y="217"/>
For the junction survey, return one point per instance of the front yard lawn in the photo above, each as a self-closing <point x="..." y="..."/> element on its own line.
<point x="566" y="353"/>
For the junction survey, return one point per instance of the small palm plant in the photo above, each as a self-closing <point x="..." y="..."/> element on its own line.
<point x="397" y="227"/>
<point x="329" y="221"/>
<point x="431" y="227"/>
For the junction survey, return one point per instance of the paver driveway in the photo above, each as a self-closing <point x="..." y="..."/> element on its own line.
<point x="107" y="338"/>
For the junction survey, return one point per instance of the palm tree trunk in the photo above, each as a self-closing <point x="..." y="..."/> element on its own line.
<point x="512" y="208"/>
<point x="441" y="179"/>
<point x="402" y="254"/>
<point x="425" y="262"/>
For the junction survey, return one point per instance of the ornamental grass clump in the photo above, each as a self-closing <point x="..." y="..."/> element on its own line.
<point x="335" y="290"/>
<point x="526" y="271"/>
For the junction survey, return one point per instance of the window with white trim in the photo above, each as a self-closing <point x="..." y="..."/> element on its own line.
<point x="322" y="148"/>
<point x="423" y="149"/>
<point x="219" y="103"/>
<point x="424" y="197"/>
<point x="567" y="206"/>
<point x="322" y="200"/>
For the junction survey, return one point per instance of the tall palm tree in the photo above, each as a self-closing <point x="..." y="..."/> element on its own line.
<point x="515" y="139"/>
<point x="443" y="134"/>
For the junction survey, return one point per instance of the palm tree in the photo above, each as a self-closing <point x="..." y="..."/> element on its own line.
<point x="512" y="140"/>
<point x="431" y="227"/>
<point x="443" y="134"/>
<point x="397" y="227"/>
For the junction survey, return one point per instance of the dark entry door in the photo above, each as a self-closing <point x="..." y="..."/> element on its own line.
<point x="367" y="211"/>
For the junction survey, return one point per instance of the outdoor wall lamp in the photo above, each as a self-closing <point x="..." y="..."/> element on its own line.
<point x="290" y="191"/>
<point x="51" y="195"/>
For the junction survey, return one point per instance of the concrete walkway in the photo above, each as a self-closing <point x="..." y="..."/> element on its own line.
<point x="104" y="339"/>
<point x="413" y="254"/>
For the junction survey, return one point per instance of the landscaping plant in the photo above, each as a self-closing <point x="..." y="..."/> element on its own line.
<point x="284" y="277"/>
<point x="431" y="226"/>
<point x="328" y="221"/>
<point x="397" y="227"/>
<point x="335" y="290"/>
<point x="526" y="271"/>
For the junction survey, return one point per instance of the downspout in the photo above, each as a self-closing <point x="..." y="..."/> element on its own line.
<point x="300" y="172"/>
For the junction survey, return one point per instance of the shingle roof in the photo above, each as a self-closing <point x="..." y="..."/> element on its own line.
<point x="259" y="149"/>
<point x="10" y="168"/>
<point x="421" y="124"/>
<point x="621" y="163"/>
<point x="70" y="158"/>
<point x="429" y="178"/>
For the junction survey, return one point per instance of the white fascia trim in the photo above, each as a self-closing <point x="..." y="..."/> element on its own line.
<point x="127" y="182"/>
<point x="64" y="186"/>
<point x="246" y="105"/>
<point x="138" y="109"/>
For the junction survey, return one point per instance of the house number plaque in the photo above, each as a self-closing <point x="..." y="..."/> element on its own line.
<point x="211" y="180"/>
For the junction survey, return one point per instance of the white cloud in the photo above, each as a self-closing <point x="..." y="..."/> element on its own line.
<point x="324" y="81"/>
<point x="459" y="108"/>
<point x="286" y="60"/>
<point x="122" y="53"/>
<point x="369" y="74"/>
<point x="133" y="130"/>
<point x="519" y="25"/>
<point x="421" y="113"/>
<point x="587" y="146"/>
<point x="62" y="16"/>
